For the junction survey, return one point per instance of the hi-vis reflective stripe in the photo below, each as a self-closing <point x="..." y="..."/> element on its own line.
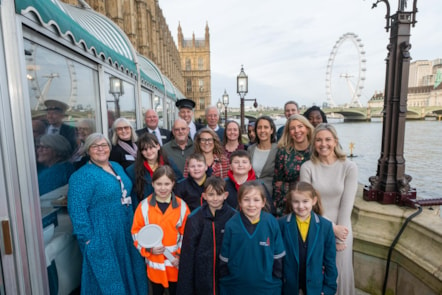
<point x="145" y="211"/>
<point x="172" y="248"/>
<point x="182" y="213"/>
<point x="280" y="255"/>
<point x="159" y="266"/>
<point x="223" y="259"/>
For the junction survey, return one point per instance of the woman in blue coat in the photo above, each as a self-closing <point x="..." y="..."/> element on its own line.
<point x="310" y="261"/>
<point x="150" y="156"/>
<point x="102" y="214"/>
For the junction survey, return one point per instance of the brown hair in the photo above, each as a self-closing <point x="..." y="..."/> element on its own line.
<point x="304" y="188"/>
<point x="240" y="154"/>
<point x="164" y="170"/>
<point x="215" y="183"/>
<point x="250" y="185"/>
<point x="217" y="147"/>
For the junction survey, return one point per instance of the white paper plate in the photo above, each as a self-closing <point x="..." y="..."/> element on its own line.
<point x="150" y="236"/>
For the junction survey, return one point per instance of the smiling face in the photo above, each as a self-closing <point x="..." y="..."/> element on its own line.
<point x="240" y="166"/>
<point x="232" y="131"/>
<point x="46" y="155"/>
<point x="180" y="131"/>
<point x="213" y="199"/>
<point x="290" y="109"/>
<point x="302" y="204"/>
<point x="150" y="153"/>
<point x="264" y="131"/>
<point x="212" y="117"/>
<point x="251" y="204"/>
<point x="124" y="131"/>
<point x="163" y="188"/>
<point x="186" y="114"/>
<point x="151" y="119"/>
<point x="298" y="132"/>
<point x="197" y="169"/>
<point x="325" y="144"/>
<point x="99" y="152"/>
<point x="315" y="118"/>
<point x="206" y="142"/>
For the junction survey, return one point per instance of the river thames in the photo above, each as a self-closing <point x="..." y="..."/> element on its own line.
<point x="422" y="152"/>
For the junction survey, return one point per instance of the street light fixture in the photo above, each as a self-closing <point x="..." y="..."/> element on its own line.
<point x="225" y="103"/>
<point x="242" y="87"/>
<point x="117" y="90"/>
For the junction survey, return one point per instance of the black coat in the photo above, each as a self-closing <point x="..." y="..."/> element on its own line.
<point x="188" y="190"/>
<point x="166" y="135"/>
<point x="196" y="271"/>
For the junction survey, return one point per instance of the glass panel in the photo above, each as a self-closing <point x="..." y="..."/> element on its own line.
<point x="158" y="107"/>
<point x="122" y="103"/>
<point x="64" y="98"/>
<point x="146" y="103"/>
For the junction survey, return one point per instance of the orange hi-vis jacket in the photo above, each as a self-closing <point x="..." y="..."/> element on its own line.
<point x="159" y="269"/>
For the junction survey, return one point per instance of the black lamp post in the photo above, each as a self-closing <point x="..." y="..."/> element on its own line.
<point x="225" y="103"/>
<point x="117" y="90"/>
<point x="242" y="86"/>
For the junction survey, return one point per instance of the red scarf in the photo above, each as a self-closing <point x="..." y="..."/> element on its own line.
<point x="146" y="165"/>
<point x="250" y="176"/>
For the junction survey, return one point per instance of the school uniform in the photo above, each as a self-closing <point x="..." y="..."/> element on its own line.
<point x="190" y="191"/>
<point x="250" y="257"/>
<point x="198" y="271"/>
<point x="318" y="258"/>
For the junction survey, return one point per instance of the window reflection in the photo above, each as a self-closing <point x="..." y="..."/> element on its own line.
<point x="125" y="105"/>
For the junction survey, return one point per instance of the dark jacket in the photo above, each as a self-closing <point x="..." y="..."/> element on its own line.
<point x="199" y="256"/>
<point x="119" y="155"/>
<point x="68" y="132"/>
<point x="166" y="135"/>
<point x="190" y="192"/>
<point x="321" y="256"/>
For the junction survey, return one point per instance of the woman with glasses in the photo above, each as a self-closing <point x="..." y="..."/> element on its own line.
<point x="263" y="152"/>
<point x="293" y="151"/>
<point x="124" y="149"/>
<point x="232" y="138"/>
<point x="336" y="179"/>
<point x="53" y="167"/>
<point x="208" y="144"/>
<point x="150" y="156"/>
<point x="100" y="208"/>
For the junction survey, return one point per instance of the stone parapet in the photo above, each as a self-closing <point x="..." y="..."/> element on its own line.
<point x="416" y="261"/>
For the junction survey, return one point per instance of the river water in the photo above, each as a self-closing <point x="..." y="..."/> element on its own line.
<point x="422" y="152"/>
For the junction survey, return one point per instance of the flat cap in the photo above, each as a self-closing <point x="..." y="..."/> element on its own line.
<point x="55" y="105"/>
<point x="185" y="103"/>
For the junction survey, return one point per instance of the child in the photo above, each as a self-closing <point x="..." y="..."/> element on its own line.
<point x="310" y="263"/>
<point x="169" y="212"/>
<point x="252" y="251"/>
<point x="198" y="271"/>
<point x="191" y="188"/>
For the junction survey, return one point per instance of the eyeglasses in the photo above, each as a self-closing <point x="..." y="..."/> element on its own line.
<point x="206" y="140"/>
<point x="43" y="147"/>
<point x="102" y="146"/>
<point x="122" y="128"/>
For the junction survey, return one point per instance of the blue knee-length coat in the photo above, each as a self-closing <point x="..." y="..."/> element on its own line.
<point x="111" y="264"/>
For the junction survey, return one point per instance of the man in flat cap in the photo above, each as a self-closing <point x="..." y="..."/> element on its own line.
<point x="186" y="113"/>
<point x="55" y="113"/>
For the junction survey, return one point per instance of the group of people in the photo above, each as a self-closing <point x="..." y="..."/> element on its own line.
<point x="271" y="216"/>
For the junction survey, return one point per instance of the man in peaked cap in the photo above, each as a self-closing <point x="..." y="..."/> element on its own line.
<point x="55" y="113"/>
<point x="186" y="113"/>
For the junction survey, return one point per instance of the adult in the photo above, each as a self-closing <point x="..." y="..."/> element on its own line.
<point x="149" y="157"/>
<point x="101" y="213"/>
<point x="124" y="149"/>
<point x="181" y="146"/>
<point x="293" y="151"/>
<point x="315" y="115"/>
<point x="55" y="112"/>
<point x="232" y="138"/>
<point x="185" y="112"/>
<point x="212" y="117"/>
<point x="263" y="152"/>
<point x="85" y="127"/>
<point x="208" y="144"/>
<point x="151" y="120"/>
<point x="290" y="108"/>
<point x="336" y="179"/>
<point x="53" y="167"/>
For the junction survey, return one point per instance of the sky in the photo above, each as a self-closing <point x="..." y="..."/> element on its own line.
<point x="285" y="45"/>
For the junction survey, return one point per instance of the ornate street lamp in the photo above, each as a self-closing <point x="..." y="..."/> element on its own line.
<point x="219" y="105"/>
<point x="242" y="87"/>
<point x="117" y="90"/>
<point x="225" y="103"/>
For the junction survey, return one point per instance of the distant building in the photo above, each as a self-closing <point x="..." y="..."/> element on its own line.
<point x="195" y="62"/>
<point x="424" y="85"/>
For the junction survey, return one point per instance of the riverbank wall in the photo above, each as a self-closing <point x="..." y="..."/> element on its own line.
<point x="416" y="261"/>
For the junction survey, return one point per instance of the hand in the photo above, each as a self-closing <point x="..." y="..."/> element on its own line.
<point x="158" y="250"/>
<point x="341" y="232"/>
<point x="176" y="262"/>
<point x="340" y="246"/>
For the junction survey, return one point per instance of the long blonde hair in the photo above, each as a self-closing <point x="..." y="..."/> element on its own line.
<point x="314" y="157"/>
<point x="286" y="140"/>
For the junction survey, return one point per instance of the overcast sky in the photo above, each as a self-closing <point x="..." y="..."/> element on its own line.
<point x="285" y="45"/>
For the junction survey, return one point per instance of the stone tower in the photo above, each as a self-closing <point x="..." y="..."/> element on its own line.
<point x="195" y="65"/>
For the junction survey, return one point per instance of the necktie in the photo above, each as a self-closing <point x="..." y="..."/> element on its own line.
<point x="54" y="130"/>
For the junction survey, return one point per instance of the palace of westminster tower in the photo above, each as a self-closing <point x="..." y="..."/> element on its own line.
<point x="186" y="65"/>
